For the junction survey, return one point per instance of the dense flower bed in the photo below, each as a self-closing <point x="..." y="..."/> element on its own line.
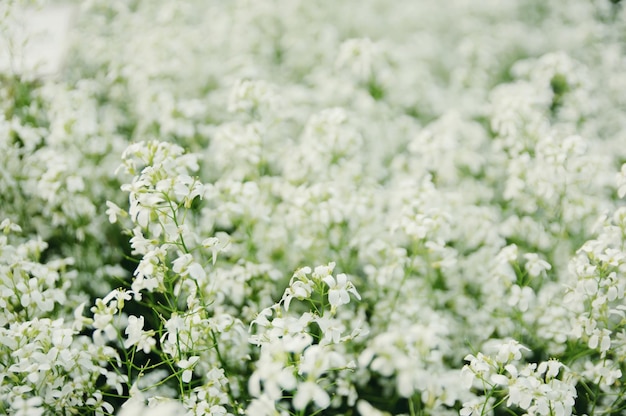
<point x="289" y="207"/>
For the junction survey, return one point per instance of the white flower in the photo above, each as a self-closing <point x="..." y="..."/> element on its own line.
<point x="113" y="211"/>
<point x="600" y="339"/>
<point x="510" y="351"/>
<point x="316" y="360"/>
<point x="272" y="374"/>
<point x="215" y="245"/>
<point x="28" y="407"/>
<point x="7" y="226"/>
<point x="137" y="336"/>
<point x="367" y="409"/>
<point x="331" y="328"/>
<point x="249" y="95"/>
<point x="135" y="405"/>
<point x="359" y="56"/>
<point x="299" y="290"/>
<point x="120" y="296"/>
<point x="508" y="254"/>
<point x="521" y="297"/>
<point x="187" y="366"/>
<point x="261" y="406"/>
<point x="185" y="265"/>
<point x="476" y="406"/>
<point x="534" y="265"/>
<point x="310" y="391"/>
<point x="338" y="290"/>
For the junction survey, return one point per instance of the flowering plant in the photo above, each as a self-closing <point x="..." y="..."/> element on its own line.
<point x="292" y="208"/>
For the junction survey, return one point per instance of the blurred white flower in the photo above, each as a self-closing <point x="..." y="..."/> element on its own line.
<point x="535" y="265"/>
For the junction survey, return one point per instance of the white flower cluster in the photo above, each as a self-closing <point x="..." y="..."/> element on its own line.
<point x="308" y="351"/>
<point x="30" y="289"/>
<point x="535" y="388"/>
<point x="456" y="172"/>
<point x="46" y="363"/>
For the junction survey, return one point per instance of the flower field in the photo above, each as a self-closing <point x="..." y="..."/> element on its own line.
<point x="332" y="207"/>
